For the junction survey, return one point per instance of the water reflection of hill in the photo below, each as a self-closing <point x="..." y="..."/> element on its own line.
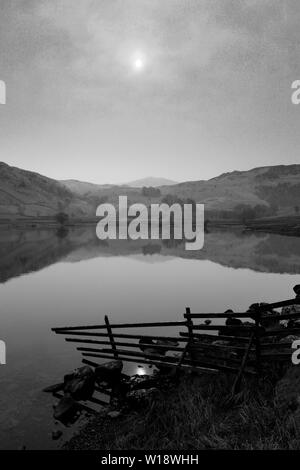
<point x="27" y="251"/>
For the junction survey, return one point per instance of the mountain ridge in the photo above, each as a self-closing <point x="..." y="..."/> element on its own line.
<point x="30" y="194"/>
<point x="151" y="181"/>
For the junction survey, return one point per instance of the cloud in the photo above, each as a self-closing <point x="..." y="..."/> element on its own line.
<point x="84" y="51"/>
<point x="223" y="67"/>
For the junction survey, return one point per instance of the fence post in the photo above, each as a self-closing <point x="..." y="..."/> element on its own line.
<point x="190" y="326"/>
<point x="257" y="339"/>
<point x="111" y="337"/>
<point x="238" y="379"/>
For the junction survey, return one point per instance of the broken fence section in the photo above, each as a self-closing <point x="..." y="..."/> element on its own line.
<point x="239" y="348"/>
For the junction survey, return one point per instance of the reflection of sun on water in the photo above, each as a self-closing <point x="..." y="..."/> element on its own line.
<point x="140" y="370"/>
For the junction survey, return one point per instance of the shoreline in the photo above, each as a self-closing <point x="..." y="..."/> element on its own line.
<point x="286" y="226"/>
<point x="198" y="415"/>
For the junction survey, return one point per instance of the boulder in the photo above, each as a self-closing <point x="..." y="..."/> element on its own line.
<point x="290" y="309"/>
<point x="153" y="351"/>
<point x="166" y="343"/>
<point x="138" y="382"/>
<point x="167" y="369"/>
<point x="56" y="434"/>
<point x="54" y="388"/>
<point x="296" y="289"/>
<point x="144" y="343"/>
<point x="289" y="339"/>
<point x="66" y="409"/>
<point x="109" y="372"/>
<point x="84" y="371"/>
<point x="81" y="383"/>
<point x="232" y="321"/>
<point x="234" y="330"/>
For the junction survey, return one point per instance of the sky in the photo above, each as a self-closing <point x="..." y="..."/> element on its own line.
<point x="110" y="91"/>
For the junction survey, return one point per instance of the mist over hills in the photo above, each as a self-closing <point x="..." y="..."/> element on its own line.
<point x="28" y="194"/>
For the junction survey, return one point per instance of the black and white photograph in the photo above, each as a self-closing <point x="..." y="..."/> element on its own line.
<point x="149" y="229"/>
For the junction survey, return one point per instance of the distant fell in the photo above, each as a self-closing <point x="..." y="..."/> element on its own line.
<point x="151" y="181"/>
<point x="83" y="188"/>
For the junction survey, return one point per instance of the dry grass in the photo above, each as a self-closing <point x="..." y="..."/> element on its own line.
<point x="198" y="415"/>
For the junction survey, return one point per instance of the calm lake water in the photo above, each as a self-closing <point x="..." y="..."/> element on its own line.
<point x="49" y="279"/>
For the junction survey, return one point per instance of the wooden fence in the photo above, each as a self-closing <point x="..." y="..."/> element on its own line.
<point x="239" y="348"/>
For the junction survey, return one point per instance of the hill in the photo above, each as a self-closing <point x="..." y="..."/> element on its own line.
<point x="28" y="194"/>
<point x="82" y="188"/>
<point x="273" y="190"/>
<point x="151" y="181"/>
<point x="275" y="187"/>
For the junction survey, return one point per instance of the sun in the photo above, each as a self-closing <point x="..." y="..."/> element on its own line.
<point x="138" y="62"/>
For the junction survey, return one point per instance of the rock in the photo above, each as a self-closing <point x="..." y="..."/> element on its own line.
<point x="69" y="376"/>
<point x="289" y="339"/>
<point x="137" y="382"/>
<point x="120" y="388"/>
<point x="297" y="289"/>
<point x="81" y="388"/>
<point x="54" y="388"/>
<point x="114" y="414"/>
<point x="168" y="369"/>
<point x="142" y="397"/>
<point x="144" y="343"/>
<point x="164" y="342"/>
<point x="65" y="409"/>
<point x="80" y="372"/>
<point x="225" y="331"/>
<point x="232" y="321"/>
<point x="145" y="346"/>
<point x="294" y="323"/>
<point x="80" y="385"/>
<point x="290" y="309"/>
<point x="153" y="351"/>
<point x="109" y="372"/>
<point x="56" y="434"/>
<point x="115" y="402"/>
<point x="252" y="309"/>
